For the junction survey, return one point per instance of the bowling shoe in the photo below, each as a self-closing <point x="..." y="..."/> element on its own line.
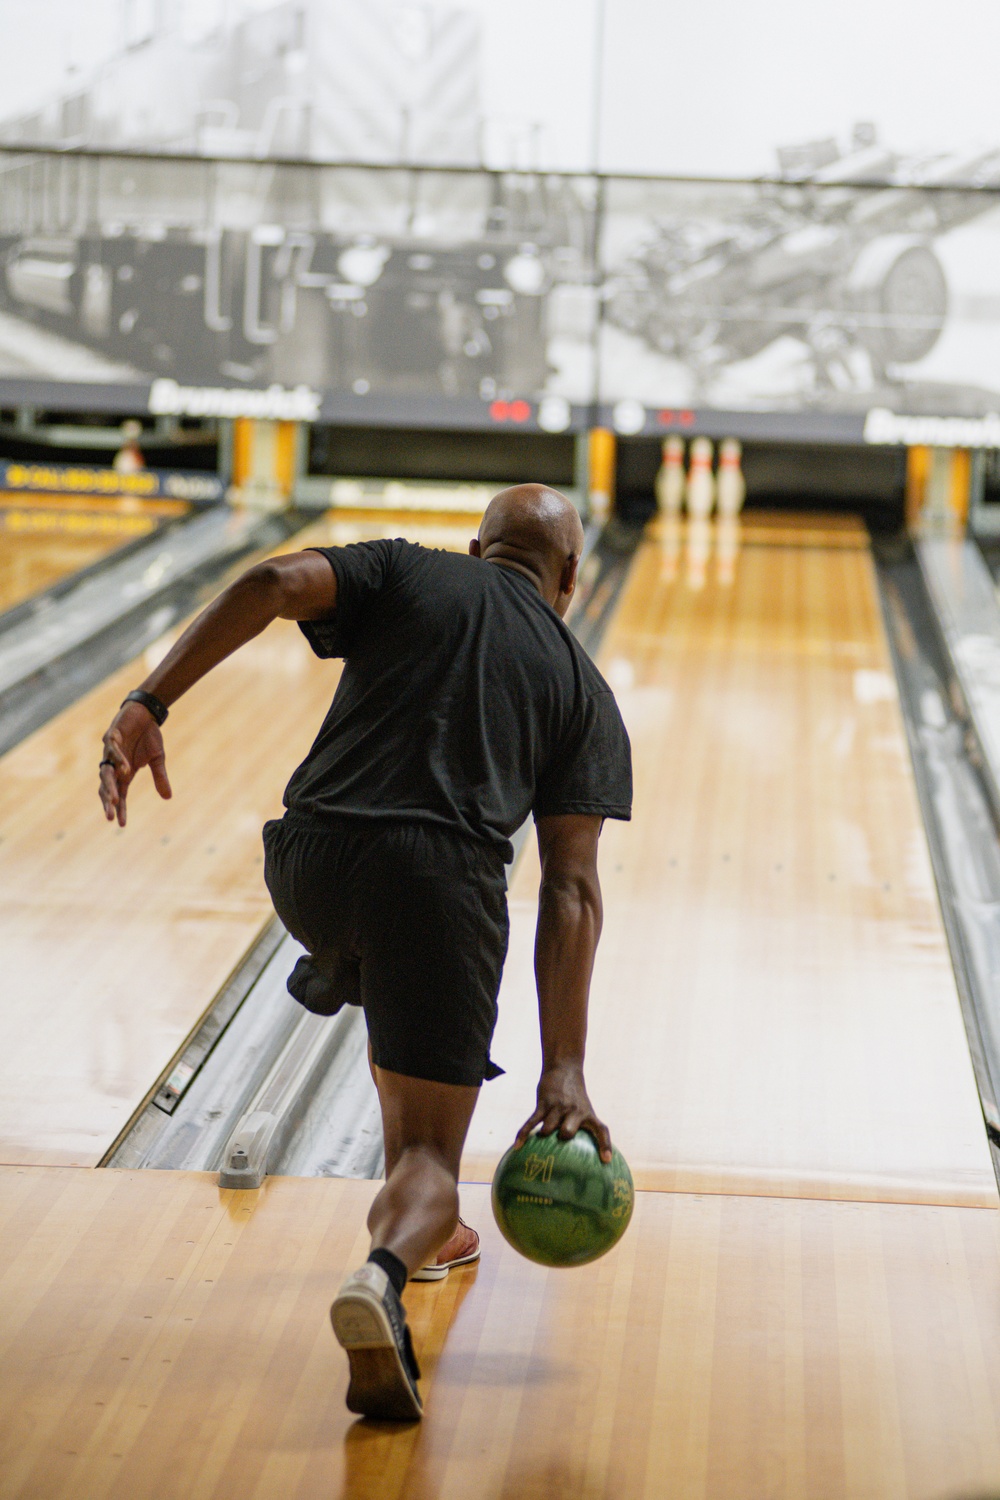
<point x="461" y="1250"/>
<point x="370" y="1323"/>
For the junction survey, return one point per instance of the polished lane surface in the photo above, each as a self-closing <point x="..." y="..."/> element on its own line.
<point x="774" y="1009"/>
<point x="162" y="1340"/>
<point x="115" y="941"/>
<point x="42" y="543"/>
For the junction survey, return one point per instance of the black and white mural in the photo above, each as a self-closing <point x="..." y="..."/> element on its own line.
<point x="834" y="295"/>
<point x="374" y="284"/>
<point x="795" y="260"/>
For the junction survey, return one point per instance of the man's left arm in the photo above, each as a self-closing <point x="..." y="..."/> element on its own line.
<point x="296" y="586"/>
<point x="569" y="928"/>
<point x="590" y="780"/>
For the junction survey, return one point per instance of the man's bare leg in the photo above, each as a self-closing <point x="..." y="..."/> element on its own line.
<point x="424" y="1125"/>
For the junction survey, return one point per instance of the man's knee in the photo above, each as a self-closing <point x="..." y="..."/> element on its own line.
<point x="324" y="983"/>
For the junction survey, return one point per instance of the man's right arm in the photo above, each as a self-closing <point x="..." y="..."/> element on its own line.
<point x="569" y="927"/>
<point x="294" y="586"/>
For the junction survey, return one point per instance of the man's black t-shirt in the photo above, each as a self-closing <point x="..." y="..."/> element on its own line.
<point x="464" y="700"/>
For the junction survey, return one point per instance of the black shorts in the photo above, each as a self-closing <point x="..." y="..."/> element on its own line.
<point x="408" y="920"/>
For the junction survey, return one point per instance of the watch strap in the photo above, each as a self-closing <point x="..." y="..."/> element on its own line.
<point x="150" y="701"/>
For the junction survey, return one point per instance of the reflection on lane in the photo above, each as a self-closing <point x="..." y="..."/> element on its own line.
<point x="41" y="544"/>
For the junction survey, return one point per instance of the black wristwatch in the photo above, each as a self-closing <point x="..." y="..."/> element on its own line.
<point x="148" y="700"/>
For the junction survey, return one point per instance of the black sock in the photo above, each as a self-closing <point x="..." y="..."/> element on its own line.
<point x="393" y="1268"/>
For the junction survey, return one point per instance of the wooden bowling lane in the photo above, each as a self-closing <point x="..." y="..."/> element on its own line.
<point x="161" y="1340"/>
<point x="39" y="545"/>
<point x="774" y="1009"/>
<point x="113" y="941"/>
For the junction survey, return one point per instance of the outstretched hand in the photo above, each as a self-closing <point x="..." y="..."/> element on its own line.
<point x="133" y="741"/>
<point x="564" y="1106"/>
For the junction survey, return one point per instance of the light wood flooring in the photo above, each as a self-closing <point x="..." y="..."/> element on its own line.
<point x="39" y="546"/>
<point x="805" y="1304"/>
<point x="160" y="1340"/>
<point x="115" y="941"/>
<point x="773" y="1008"/>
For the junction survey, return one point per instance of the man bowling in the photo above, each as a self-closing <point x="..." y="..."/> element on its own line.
<point x="464" y="705"/>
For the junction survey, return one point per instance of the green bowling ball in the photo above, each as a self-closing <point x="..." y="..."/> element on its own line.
<point x="557" y="1203"/>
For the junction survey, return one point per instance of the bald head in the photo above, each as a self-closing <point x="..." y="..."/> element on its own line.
<point x="537" y="532"/>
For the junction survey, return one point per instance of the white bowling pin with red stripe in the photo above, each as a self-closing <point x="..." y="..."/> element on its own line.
<point x="670" y="478"/>
<point x="731" y="487"/>
<point x="700" y="480"/>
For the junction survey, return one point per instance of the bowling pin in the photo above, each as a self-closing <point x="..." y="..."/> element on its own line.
<point x="700" y="480"/>
<point x="730" y="485"/>
<point x="670" y="479"/>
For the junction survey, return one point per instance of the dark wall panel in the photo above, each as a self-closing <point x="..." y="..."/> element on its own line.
<point x="401" y="453"/>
